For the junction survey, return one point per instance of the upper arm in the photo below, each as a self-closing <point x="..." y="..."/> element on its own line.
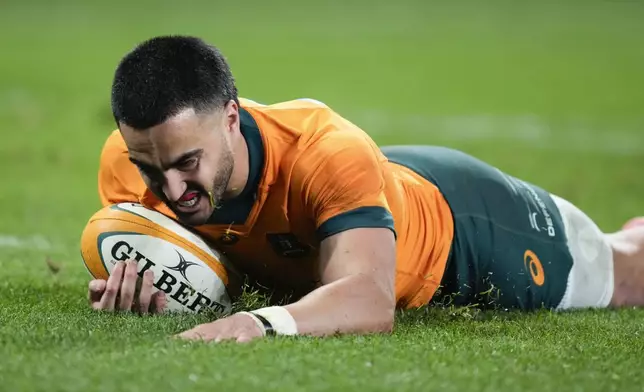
<point x="343" y="185"/>
<point x="369" y="252"/>
<point x="341" y="179"/>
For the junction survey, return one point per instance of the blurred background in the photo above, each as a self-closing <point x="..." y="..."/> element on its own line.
<point x="552" y="92"/>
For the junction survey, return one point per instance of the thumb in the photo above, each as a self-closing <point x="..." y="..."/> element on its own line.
<point x="96" y="290"/>
<point x="159" y="302"/>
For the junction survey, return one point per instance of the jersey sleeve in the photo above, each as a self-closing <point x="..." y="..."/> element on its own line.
<point x="342" y="183"/>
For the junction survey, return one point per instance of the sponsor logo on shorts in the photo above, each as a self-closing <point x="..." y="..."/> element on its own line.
<point x="533" y="265"/>
<point x="515" y="184"/>
<point x="532" y="216"/>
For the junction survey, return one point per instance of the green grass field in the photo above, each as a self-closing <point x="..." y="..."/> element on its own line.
<point x="552" y="92"/>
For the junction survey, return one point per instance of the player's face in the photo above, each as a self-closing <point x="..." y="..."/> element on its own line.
<point x="187" y="161"/>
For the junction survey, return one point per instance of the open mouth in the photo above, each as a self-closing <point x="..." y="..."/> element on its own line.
<point x="189" y="201"/>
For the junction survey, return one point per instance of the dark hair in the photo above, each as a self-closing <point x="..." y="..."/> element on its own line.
<point x="167" y="74"/>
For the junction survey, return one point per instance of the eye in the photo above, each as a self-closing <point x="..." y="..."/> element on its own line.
<point x="152" y="174"/>
<point x="188" y="164"/>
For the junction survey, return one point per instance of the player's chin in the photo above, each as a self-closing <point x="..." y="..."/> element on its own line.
<point x="194" y="214"/>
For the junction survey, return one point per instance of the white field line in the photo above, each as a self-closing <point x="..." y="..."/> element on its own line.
<point x="573" y="135"/>
<point x="36" y="242"/>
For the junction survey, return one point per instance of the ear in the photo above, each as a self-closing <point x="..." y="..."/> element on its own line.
<point x="231" y="114"/>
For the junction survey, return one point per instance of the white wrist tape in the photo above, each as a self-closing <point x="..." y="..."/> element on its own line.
<point x="257" y="321"/>
<point x="279" y="318"/>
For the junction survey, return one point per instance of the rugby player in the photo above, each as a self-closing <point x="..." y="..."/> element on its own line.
<point x="304" y="201"/>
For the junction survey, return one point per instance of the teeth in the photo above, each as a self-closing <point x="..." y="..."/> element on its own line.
<point x="188" y="203"/>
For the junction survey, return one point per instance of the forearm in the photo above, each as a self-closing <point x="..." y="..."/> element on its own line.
<point x="358" y="289"/>
<point x="352" y="304"/>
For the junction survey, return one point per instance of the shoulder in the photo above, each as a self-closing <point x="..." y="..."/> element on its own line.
<point x="114" y="146"/>
<point x="307" y="140"/>
<point x="293" y="104"/>
<point x="313" y="124"/>
<point x="297" y="118"/>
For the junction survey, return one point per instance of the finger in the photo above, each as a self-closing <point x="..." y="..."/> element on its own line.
<point x="145" y="296"/>
<point x="112" y="287"/>
<point x="95" y="291"/>
<point x="233" y="336"/>
<point x="159" y="302"/>
<point x="192" y="334"/>
<point x="205" y="332"/>
<point x="128" y="286"/>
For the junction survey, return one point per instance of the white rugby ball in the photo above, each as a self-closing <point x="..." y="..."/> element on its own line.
<point x="193" y="275"/>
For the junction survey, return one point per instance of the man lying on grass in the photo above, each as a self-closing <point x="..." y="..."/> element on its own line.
<point x="316" y="208"/>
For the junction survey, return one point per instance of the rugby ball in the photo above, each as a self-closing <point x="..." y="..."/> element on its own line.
<point x="192" y="274"/>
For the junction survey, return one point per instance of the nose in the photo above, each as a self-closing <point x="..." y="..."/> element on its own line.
<point x="174" y="186"/>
